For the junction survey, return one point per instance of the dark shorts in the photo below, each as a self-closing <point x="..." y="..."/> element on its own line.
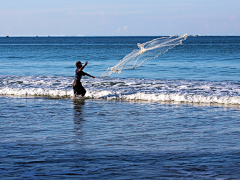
<point x="79" y="89"/>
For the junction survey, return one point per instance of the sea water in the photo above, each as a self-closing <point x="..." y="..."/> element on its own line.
<point x="176" y="117"/>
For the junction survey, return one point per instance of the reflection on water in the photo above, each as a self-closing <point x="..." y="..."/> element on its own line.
<point x="78" y="118"/>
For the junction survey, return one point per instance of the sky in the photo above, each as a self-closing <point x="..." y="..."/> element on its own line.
<point x="119" y="17"/>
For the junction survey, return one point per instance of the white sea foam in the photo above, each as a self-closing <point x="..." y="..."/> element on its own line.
<point x="36" y="92"/>
<point x="126" y="89"/>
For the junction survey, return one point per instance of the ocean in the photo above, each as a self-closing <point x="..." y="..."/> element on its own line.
<point x="175" y="117"/>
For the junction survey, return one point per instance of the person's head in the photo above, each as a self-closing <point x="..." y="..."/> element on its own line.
<point x="78" y="64"/>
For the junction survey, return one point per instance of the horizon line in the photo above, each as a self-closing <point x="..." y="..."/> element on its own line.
<point x="106" y="35"/>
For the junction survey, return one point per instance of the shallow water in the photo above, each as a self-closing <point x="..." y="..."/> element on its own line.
<point x="52" y="139"/>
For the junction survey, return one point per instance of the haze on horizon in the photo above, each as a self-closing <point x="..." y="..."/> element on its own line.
<point x="119" y="17"/>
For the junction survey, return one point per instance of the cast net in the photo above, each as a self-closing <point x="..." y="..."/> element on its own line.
<point x="148" y="50"/>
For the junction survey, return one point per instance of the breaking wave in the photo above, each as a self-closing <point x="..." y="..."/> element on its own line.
<point x="189" y="91"/>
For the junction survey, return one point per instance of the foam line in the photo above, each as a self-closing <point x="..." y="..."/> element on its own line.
<point x="189" y="91"/>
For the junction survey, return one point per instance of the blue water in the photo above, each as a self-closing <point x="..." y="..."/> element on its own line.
<point x="176" y="117"/>
<point x="204" y="58"/>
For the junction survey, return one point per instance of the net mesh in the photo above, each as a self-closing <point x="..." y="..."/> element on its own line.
<point x="148" y="50"/>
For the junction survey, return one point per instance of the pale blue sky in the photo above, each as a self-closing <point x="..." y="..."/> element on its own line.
<point x="119" y="17"/>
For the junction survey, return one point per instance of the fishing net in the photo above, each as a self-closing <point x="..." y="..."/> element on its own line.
<point x="148" y="50"/>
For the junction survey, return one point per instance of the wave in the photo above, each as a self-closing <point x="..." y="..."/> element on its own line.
<point x="189" y="91"/>
<point x="14" y="57"/>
